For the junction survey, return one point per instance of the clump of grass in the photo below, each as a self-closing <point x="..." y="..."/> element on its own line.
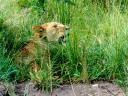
<point x="96" y="48"/>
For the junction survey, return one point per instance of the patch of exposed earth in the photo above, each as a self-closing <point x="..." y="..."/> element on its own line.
<point x="28" y="89"/>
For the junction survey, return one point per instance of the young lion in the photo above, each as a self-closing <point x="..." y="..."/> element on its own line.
<point x="36" y="51"/>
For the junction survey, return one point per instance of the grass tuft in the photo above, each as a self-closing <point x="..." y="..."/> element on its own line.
<point x="97" y="47"/>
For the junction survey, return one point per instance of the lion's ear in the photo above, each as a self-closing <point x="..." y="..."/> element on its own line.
<point x="38" y="28"/>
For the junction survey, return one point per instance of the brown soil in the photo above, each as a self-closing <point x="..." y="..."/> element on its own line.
<point x="28" y="89"/>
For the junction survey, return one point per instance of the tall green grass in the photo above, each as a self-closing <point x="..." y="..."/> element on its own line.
<point x="96" y="49"/>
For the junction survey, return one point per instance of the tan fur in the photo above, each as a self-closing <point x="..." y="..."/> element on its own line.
<point x="52" y="31"/>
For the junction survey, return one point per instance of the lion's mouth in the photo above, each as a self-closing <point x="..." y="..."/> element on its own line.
<point x="61" y="40"/>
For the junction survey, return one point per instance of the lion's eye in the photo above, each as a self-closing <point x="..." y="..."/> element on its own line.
<point x="40" y="30"/>
<point x="54" y="26"/>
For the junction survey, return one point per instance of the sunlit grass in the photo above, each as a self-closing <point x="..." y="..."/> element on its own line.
<point x="96" y="48"/>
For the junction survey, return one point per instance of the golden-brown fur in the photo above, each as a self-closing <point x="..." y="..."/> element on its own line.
<point x="36" y="49"/>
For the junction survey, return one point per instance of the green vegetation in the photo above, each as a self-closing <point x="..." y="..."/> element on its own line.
<point x="97" y="47"/>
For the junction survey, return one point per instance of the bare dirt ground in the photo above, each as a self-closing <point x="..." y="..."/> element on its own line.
<point x="28" y="89"/>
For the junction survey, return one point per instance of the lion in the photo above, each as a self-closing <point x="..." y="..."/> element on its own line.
<point x="36" y="50"/>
